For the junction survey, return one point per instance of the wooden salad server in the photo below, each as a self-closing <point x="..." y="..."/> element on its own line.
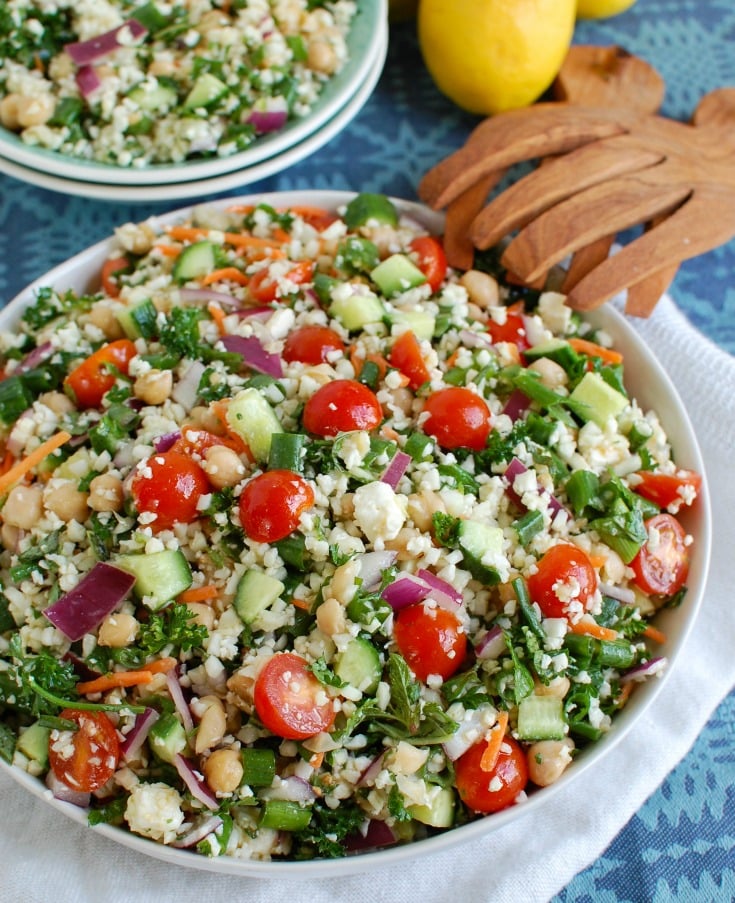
<point x="607" y="167"/>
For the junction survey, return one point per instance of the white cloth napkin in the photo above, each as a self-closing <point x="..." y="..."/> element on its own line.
<point x="48" y="857"/>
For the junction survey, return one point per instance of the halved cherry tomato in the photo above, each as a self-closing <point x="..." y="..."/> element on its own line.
<point x="665" y="489"/>
<point x="84" y="759"/>
<point x="109" y="268"/>
<point x="263" y="287"/>
<point x="405" y="355"/>
<point x="169" y="486"/>
<point x="311" y="344"/>
<point x="194" y="441"/>
<point x="90" y="380"/>
<point x="491" y="791"/>
<point x="431" y="639"/>
<point x="340" y="406"/>
<point x="662" y="565"/>
<point x="432" y="260"/>
<point x="289" y="699"/>
<point x="565" y="574"/>
<point x="458" y="418"/>
<point x="513" y="330"/>
<point x="272" y="503"/>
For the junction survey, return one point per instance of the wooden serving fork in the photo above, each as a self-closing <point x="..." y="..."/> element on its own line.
<point x="609" y="163"/>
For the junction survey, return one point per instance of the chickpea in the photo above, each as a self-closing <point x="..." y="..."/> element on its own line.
<point x="553" y="376"/>
<point x="321" y="57"/>
<point x="223" y="466"/>
<point x="103" y="317"/>
<point x="106" y="493"/>
<point x="212" y="19"/>
<point x="206" y="419"/>
<point x="223" y="770"/>
<point x="154" y="386"/>
<point x="118" y="630"/>
<point x="9" y="536"/>
<point x="343" y="586"/>
<point x="67" y="502"/>
<point x="401" y="399"/>
<point x="9" y="112"/>
<point x="203" y="614"/>
<point x="35" y="110"/>
<point x="422" y="506"/>
<point x="161" y="67"/>
<point x="481" y="288"/>
<point x="212" y="726"/>
<point x="138" y="238"/>
<point x="558" y="687"/>
<point x="23" y="507"/>
<point x="330" y="618"/>
<point x="548" y="759"/>
<point x="57" y="402"/>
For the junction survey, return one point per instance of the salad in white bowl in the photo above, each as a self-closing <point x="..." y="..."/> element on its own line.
<point x="313" y="546"/>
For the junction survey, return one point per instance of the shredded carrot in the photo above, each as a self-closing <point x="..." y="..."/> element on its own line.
<point x="115" y="680"/>
<point x="494" y="742"/>
<point x="236" y="239"/>
<point x="387" y="432"/>
<point x="281" y="235"/>
<point x="653" y="633"/>
<point x="452" y="359"/>
<point x="8" y="461"/>
<point x="584" y="346"/>
<point x="624" y="694"/>
<point x="241" y="208"/>
<point x="230" y="274"/>
<point x="218" y="315"/>
<point x="168" y="250"/>
<point x="316" y="760"/>
<point x="161" y="665"/>
<point x="300" y="603"/>
<point x="199" y="594"/>
<point x="588" y="627"/>
<point x="598" y="561"/>
<point x="234" y="440"/>
<point x="21" y="468"/>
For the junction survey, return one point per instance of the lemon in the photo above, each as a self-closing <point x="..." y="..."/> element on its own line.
<point x="494" y="55"/>
<point x="601" y="9"/>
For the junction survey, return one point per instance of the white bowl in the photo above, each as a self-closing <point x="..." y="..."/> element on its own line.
<point x="365" y="43"/>
<point x="645" y="379"/>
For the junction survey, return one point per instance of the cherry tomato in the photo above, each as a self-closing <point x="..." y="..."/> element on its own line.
<point x="311" y="344"/>
<point x="513" y="330"/>
<point x="661" y="566"/>
<point x="170" y="486"/>
<point x="316" y="217"/>
<point x="289" y="699"/>
<point x="90" y="380"/>
<point x="458" y="418"/>
<point x="561" y="571"/>
<point x="491" y="791"/>
<point x="87" y="758"/>
<point x="109" y="269"/>
<point x="406" y="356"/>
<point x="272" y="503"/>
<point x="264" y="288"/>
<point x="431" y="639"/>
<point x="194" y="441"/>
<point x="340" y="406"/>
<point x="432" y="260"/>
<point x="664" y="489"/>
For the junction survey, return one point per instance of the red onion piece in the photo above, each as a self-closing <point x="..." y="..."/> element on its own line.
<point x="471" y="339"/>
<point x="254" y="355"/>
<point x="652" y="668"/>
<point x="177" y="696"/>
<point x="260" y="313"/>
<point x="372" y="565"/>
<point x="515" y="469"/>
<point x="492" y="645"/>
<point x="372" y="771"/>
<point x="66" y="794"/>
<point x="269" y="115"/>
<point x="467" y="734"/>
<point x="195" y="295"/>
<point x="186" y="391"/>
<point x="395" y="469"/>
<point x="81" y="668"/>
<point x="165" y="442"/>
<point x="195" y="783"/>
<point x="84" y="52"/>
<point x="124" y="456"/>
<point x="517" y="405"/>
<point x="96" y="595"/>
<point x="377" y="834"/>
<point x="200" y="829"/>
<point x="623" y="594"/>
<point x="39" y="354"/>
<point x="88" y="81"/>
<point x="293" y="788"/>
<point x="16" y="439"/>
<point x="405" y="590"/>
<point x="136" y="737"/>
<point x="440" y="584"/>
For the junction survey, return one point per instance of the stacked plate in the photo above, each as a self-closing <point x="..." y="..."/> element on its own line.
<point x="341" y="100"/>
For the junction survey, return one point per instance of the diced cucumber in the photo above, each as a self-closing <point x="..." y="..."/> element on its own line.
<point x="323" y="286"/>
<point x="439" y="813"/>
<point x="556" y="350"/>
<point x="252" y="418"/>
<point x="541" y="718"/>
<point x="255" y="592"/>
<point x="207" y="90"/>
<point x="397" y="274"/>
<point x="33" y="743"/>
<point x="420" y="322"/>
<point x="154" y="98"/>
<point x="167" y="737"/>
<point x="475" y="540"/>
<point x="139" y="321"/>
<point x="598" y="401"/>
<point x="366" y="207"/>
<point x="356" y="311"/>
<point x="76" y="466"/>
<point x="159" y="577"/>
<point x="285" y="815"/>
<point x="194" y="261"/>
<point x="359" y="665"/>
<point x="258" y="766"/>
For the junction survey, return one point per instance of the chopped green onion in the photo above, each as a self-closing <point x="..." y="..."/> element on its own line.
<point x="287" y="452"/>
<point x="582" y="488"/>
<point x="284" y="815"/>
<point x="528" y="526"/>
<point x="259" y="767"/>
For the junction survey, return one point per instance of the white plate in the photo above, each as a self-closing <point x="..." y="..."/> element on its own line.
<point x="226" y="182"/>
<point x="646" y="380"/>
<point x="365" y="41"/>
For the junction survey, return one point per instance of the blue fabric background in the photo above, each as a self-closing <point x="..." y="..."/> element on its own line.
<point x="681" y="845"/>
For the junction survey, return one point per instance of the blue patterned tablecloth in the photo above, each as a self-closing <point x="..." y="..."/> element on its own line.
<point x="681" y="845"/>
